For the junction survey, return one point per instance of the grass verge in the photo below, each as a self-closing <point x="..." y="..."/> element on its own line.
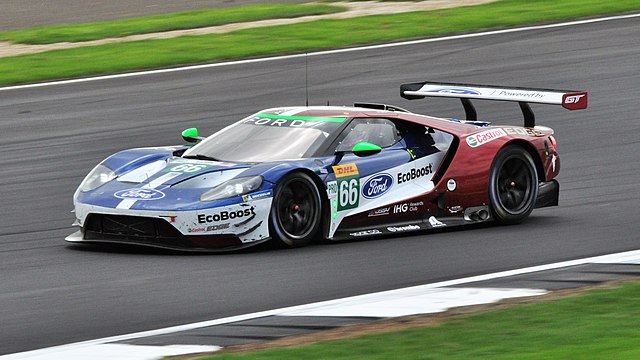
<point x="600" y="324"/>
<point x="160" y="23"/>
<point x="317" y="35"/>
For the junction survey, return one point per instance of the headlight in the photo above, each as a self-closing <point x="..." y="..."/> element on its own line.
<point x="233" y="187"/>
<point x="99" y="176"/>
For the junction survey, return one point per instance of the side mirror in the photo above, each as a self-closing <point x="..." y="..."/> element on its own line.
<point x="365" y="149"/>
<point x="191" y="135"/>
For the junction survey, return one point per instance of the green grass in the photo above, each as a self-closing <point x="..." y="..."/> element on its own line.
<point x="159" y="23"/>
<point x="296" y="38"/>
<point x="602" y="324"/>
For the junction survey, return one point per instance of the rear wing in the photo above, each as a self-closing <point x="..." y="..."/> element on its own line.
<point x="569" y="99"/>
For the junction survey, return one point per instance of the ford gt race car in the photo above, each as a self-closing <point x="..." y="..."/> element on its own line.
<point x="295" y="174"/>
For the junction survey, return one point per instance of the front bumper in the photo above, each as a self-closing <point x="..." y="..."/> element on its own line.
<point x="216" y="229"/>
<point x="195" y="244"/>
<point x="152" y="232"/>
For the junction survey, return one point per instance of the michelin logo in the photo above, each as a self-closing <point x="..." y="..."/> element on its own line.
<point x="403" y="228"/>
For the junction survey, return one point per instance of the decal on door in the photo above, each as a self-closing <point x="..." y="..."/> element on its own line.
<point x="348" y="184"/>
<point x="353" y="192"/>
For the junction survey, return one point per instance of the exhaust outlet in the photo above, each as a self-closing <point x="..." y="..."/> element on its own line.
<point x="477" y="213"/>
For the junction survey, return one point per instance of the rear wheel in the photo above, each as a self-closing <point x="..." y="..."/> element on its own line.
<point x="513" y="185"/>
<point x="295" y="212"/>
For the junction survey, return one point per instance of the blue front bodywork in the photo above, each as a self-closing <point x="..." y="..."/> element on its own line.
<point x="178" y="195"/>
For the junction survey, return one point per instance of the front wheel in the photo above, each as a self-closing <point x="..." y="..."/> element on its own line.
<point x="513" y="185"/>
<point x="295" y="212"/>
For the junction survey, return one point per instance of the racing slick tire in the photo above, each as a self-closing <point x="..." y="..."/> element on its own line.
<point x="513" y="185"/>
<point x="296" y="210"/>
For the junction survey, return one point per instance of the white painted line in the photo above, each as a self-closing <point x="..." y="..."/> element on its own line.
<point x="623" y="257"/>
<point x="628" y="258"/>
<point x="327" y="52"/>
<point x="413" y="301"/>
<point x="115" y="351"/>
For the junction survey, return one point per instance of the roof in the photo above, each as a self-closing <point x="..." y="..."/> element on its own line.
<point x="352" y="112"/>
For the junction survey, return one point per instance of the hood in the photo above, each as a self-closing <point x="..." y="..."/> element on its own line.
<point x="167" y="184"/>
<point x="173" y="171"/>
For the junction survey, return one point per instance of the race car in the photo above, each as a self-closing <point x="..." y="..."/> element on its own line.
<point x="296" y="174"/>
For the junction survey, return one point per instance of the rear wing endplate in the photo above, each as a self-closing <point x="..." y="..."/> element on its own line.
<point x="569" y="99"/>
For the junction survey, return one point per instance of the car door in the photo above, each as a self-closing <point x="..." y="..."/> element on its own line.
<point x="364" y="183"/>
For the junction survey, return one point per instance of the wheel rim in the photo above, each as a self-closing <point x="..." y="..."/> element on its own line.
<point x="297" y="209"/>
<point x="514" y="185"/>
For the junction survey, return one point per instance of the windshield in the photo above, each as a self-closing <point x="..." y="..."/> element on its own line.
<point x="268" y="137"/>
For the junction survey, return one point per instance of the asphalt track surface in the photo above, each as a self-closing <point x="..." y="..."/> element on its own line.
<point x="53" y="293"/>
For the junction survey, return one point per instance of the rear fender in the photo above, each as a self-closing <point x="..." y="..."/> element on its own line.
<point x="534" y="154"/>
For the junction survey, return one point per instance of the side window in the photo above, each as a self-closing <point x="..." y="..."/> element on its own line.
<point x="423" y="141"/>
<point x="382" y="132"/>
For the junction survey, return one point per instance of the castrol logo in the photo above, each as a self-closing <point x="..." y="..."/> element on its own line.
<point x="484" y="137"/>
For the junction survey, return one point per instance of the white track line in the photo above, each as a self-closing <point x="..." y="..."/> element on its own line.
<point x="114" y="351"/>
<point x="318" y="53"/>
<point x="59" y="351"/>
<point x="412" y="301"/>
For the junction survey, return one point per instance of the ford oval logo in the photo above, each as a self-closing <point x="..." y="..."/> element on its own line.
<point x="139" y="194"/>
<point x="377" y="185"/>
<point x="456" y="90"/>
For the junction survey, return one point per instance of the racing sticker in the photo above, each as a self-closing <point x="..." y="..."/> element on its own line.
<point x="225" y="215"/>
<point x="435" y="223"/>
<point x="523" y="131"/>
<point x="139" y="194"/>
<point x="348" y="183"/>
<point x="484" y="137"/>
<point x="366" y="232"/>
<point x="146" y="192"/>
<point x="403" y="228"/>
<point x="414" y="173"/>
<point x="187" y="167"/>
<point x="377" y="185"/>
<point x="257" y="195"/>
<point x="290" y="120"/>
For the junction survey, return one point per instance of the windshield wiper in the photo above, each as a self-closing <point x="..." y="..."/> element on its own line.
<point x="200" y="157"/>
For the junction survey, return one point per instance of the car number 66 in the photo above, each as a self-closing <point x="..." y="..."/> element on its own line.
<point x="348" y="194"/>
<point x="188" y="168"/>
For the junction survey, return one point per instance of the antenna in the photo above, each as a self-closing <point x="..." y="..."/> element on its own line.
<point x="306" y="78"/>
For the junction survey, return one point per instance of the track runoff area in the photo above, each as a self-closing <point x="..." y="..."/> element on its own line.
<point x="423" y="299"/>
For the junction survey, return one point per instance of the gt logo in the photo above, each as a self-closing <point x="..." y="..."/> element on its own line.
<point x="573" y="99"/>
